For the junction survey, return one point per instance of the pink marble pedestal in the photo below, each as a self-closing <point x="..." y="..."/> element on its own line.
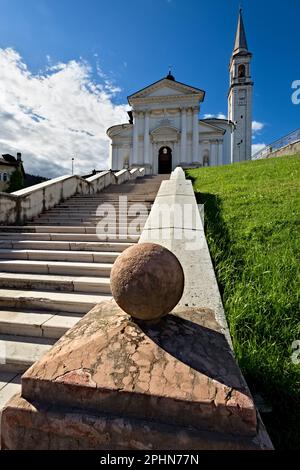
<point x="114" y="383"/>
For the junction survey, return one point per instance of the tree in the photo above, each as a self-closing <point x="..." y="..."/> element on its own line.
<point x="16" y="180"/>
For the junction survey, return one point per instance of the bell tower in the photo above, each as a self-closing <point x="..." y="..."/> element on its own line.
<point x="240" y="96"/>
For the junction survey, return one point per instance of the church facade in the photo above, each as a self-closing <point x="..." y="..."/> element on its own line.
<point x="164" y="129"/>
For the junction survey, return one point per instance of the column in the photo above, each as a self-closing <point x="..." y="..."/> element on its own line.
<point x="213" y="149"/>
<point x="195" y="153"/>
<point x="183" y="149"/>
<point x="114" y="158"/>
<point x="221" y="152"/>
<point x="200" y="152"/>
<point x="135" y="142"/>
<point x="217" y="153"/>
<point x="146" y="139"/>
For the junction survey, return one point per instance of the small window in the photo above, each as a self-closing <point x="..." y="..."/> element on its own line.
<point x="241" y="71"/>
<point x="4" y="176"/>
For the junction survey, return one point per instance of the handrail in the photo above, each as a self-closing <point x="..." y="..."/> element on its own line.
<point x="23" y="205"/>
<point x="288" y="139"/>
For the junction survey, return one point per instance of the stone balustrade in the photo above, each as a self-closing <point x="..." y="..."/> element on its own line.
<point x="25" y="204"/>
<point x="175" y="223"/>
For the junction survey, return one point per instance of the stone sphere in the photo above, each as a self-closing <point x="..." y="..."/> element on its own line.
<point x="147" y="281"/>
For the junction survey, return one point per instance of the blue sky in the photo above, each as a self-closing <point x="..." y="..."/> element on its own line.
<point x="121" y="46"/>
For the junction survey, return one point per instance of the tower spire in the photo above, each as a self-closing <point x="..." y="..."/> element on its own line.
<point x="240" y="44"/>
<point x="240" y="95"/>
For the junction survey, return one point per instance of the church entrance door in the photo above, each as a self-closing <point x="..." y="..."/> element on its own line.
<point x="165" y="160"/>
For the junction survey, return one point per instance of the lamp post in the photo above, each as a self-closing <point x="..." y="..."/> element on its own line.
<point x="73" y="165"/>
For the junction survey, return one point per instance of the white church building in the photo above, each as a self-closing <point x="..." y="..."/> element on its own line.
<point x="164" y="129"/>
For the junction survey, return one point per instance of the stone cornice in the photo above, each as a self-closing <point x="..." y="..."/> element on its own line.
<point x="117" y="129"/>
<point x="190" y="100"/>
<point x="207" y="136"/>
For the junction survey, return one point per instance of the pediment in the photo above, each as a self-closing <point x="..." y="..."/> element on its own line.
<point x="165" y="133"/>
<point x="165" y="130"/>
<point x="210" y="128"/>
<point x="167" y="88"/>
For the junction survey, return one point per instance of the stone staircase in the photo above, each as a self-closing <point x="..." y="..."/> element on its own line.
<point x="54" y="270"/>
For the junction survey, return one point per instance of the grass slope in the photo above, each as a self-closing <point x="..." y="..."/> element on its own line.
<point x="252" y="225"/>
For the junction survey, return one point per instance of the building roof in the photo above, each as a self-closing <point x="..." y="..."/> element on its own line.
<point x="8" y="160"/>
<point x="168" y="80"/>
<point x="240" y="44"/>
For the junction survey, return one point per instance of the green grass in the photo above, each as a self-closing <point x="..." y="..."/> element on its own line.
<point x="252" y="212"/>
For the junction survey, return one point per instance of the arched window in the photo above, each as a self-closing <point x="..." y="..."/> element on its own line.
<point x="241" y="71"/>
<point x="4" y="176"/>
<point x="206" y="158"/>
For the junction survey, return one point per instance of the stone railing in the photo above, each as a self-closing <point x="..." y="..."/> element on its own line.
<point x="25" y="204"/>
<point x="175" y="223"/>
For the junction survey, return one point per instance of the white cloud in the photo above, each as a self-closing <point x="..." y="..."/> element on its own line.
<point x="257" y="148"/>
<point x="257" y="126"/>
<point x="217" y="116"/>
<point x="55" y="115"/>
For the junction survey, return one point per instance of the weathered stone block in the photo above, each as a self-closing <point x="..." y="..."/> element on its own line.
<point x="113" y="383"/>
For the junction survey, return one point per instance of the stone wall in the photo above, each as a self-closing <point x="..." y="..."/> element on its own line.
<point x="25" y="204"/>
<point x="291" y="149"/>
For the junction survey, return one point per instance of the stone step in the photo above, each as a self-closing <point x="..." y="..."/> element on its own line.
<point x="122" y="200"/>
<point x="36" y="323"/>
<point x="117" y="204"/>
<point x="46" y="282"/>
<point x="55" y="255"/>
<point x="123" y="222"/>
<point x="93" y="210"/>
<point x="113" y="197"/>
<point x="49" y="301"/>
<point x="53" y="229"/>
<point x="118" y="200"/>
<point x="123" y="203"/>
<point x="52" y="218"/>
<point x="71" y="222"/>
<point x="70" y="237"/>
<point x="22" y="351"/>
<point x="78" y="214"/>
<point x="49" y="245"/>
<point x="56" y="267"/>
